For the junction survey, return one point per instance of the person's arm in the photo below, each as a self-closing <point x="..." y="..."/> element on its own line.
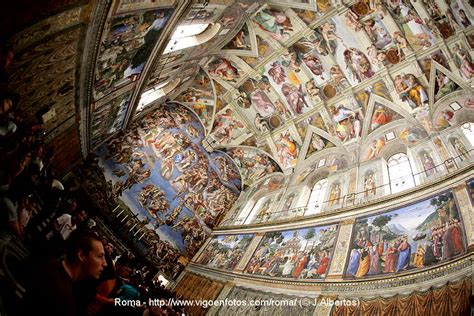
<point x="104" y="300"/>
<point x="106" y="287"/>
<point x="15" y="228"/>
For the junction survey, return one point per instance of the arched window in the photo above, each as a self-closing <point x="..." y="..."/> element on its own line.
<point x="156" y="93"/>
<point x="400" y="173"/>
<point x="191" y="35"/>
<point x="468" y="130"/>
<point x="316" y="198"/>
<point x="260" y="210"/>
<point x="241" y="216"/>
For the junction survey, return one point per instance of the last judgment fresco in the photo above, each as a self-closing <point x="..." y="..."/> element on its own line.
<point x="160" y="170"/>
<point x="412" y="237"/>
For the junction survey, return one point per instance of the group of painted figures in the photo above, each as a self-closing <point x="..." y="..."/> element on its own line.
<point x="294" y="257"/>
<point x="182" y="190"/>
<point x="387" y="251"/>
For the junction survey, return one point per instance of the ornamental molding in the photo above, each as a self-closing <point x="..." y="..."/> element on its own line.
<point x="402" y="284"/>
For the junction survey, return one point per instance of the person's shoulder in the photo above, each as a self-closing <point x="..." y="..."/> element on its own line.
<point x="52" y="272"/>
<point x="49" y="281"/>
<point x="63" y="218"/>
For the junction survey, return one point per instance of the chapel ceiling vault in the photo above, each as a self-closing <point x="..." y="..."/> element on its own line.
<point x="288" y="82"/>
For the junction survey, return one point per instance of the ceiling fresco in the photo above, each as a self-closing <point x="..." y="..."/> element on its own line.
<point x="280" y="88"/>
<point x="342" y="70"/>
<point x="126" y="45"/>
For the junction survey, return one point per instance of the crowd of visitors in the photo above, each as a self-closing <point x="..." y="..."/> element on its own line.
<point x="71" y="269"/>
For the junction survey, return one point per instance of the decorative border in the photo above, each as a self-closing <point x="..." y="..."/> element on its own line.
<point x="91" y="44"/>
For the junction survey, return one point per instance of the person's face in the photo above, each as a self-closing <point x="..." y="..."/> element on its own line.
<point x="94" y="262"/>
<point x="280" y="18"/>
<point x="82" y="216"/>
<point x="6" y="106"/>
<point x="109" y="248"/>
<point x="124" y="272"/>
<point x="39" y="151"/>
<point x="8" y="59"/>
<point x="25" y="161"/>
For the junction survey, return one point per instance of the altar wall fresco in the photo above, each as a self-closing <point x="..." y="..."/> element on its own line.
<point x="160" y="170"/>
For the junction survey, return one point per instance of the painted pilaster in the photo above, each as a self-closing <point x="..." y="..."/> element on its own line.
<point x="444" y="154"/>
<point x="450" y="58"/>
<point x="466" y="209"/>
<point x="352" y="186"/>
<point x="198" y="254"/>
<point x="341" y="250"/>
<point x="391" y="88"/>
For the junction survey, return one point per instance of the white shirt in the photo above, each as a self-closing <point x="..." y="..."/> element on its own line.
<point x="65" y="225"/>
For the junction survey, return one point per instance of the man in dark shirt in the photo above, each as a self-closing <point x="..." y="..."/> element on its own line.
<point x="52" y="287"/>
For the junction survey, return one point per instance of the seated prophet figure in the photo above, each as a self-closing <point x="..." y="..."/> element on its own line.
<point x="348" y="124"/>
<point x="410" y="90"/>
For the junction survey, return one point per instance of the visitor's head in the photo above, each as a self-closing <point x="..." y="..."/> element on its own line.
<point x="109" y="248"/>
<point x="8" y="102"/>
<point x="81" y="216"/>
<point x="6" y="57"/>
<point x="86" y="251"/>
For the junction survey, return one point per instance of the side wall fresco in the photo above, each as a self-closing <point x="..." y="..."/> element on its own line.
<point x="414" y="236"/>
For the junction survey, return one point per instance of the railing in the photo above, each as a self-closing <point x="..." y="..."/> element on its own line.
<point x="427" y="176"/>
